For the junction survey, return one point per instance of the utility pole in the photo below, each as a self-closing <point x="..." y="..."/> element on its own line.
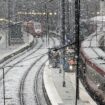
<point x="4" y="90"/>
<point x="9" y="2"/>
<point x="27" y="11"/>
<point x="102" y="10"/>
<point x="59" y="18"/>
<point x="63" y="40"/>
<point x="5" y="11"/>
<point x="47" y="21"/>
<point x="47" y="25"/>
<point x="77" y="34"/>
<point x="67" y="21"/>
<point x="3" y="86"/>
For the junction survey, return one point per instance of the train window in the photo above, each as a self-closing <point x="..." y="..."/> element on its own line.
<point x="97" y="78"/>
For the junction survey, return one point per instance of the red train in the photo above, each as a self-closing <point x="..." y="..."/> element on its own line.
<point x="34" y="28"/>
<point x="93" y="67"/>
<point x="92" y="70"/>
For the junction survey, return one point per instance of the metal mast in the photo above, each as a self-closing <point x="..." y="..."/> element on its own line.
<point x="9" y="15"/>
<point x="63" y="38"/>
<point x="77" y="33"/>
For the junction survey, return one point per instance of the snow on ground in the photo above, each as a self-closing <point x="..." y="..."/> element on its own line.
<point x="14" y="76"/>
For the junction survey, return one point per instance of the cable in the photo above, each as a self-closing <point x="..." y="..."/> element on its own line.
<point x="62" y="47"/>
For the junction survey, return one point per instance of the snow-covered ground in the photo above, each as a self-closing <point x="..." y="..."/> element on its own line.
<point x="14" y="76"/>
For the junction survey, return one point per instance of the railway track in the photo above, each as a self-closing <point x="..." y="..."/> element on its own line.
<point x="36" y="100"/>
<point x="21" y="90"/>
<point x="38" y="87"/>
<point x="18" y="62"/>
<point x="24" y="82"/>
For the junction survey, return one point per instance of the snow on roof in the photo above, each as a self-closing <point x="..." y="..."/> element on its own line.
<point x="91" y="50"/>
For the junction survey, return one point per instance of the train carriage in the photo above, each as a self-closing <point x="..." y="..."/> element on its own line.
<point x="34" y="28"/>
<point x="93" y="60"/>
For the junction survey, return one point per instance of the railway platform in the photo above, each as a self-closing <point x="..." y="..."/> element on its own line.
<point x="59" y="95"/>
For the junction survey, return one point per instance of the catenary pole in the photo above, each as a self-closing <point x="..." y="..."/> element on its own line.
<point x="63" y="39"/>
<point x="9" y="2"/>
<point x="77" y="33"/>
<point x="3" y="86"/>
